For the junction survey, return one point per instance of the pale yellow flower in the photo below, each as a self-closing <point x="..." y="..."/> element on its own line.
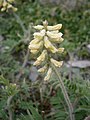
<point x="34" y="51"/>
<point x="3" y="9"/>
<point x="54" y="35"/>
<point x="56" y="63"/>
<point x="49" y="45"/>
<point x="41" y="58"/>
<point x="7" y="4"/>
<point x="45" y="41"/>
<point x="36" y="46"/>
<point x="48" y="75"/>
<point x="56" y="40"/>
<point x="60" y="50"/>
<point x="39" y="35"/>
<point x="55" y="27"/>
<point x="34" y="41"/>
<point x="43" y="69"/>
<point x="39" y="27"/>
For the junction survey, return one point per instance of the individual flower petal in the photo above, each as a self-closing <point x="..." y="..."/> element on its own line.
<point x="49" y="45"/>
<point x="41" y="58"/>
<point x="45" y="23"/>
<point x="54" y="35"/>
<point x="48" y="75"/>
<point x="60" y="50"/>
<point x="36" y="46"/>
<point x="39" y="27"/>
<point x="56" y="63"/>
<point x="43" y="69"/>
<point x="55" y="27"/>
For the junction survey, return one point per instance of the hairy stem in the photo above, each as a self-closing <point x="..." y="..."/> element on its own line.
<point x="9" y="108"/>
<point x="66" y="97"/>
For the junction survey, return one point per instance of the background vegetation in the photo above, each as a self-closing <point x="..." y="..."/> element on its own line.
<point x="23" y="95"/>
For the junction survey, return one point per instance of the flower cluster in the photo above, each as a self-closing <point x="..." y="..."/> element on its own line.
<point x="44" y="44"/>
<point x="7" y="4"/>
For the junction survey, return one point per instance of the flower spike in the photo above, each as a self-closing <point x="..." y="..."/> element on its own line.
<point x="44" y="43"/>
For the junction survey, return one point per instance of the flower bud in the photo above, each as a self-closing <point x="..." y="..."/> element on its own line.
<point x="36" y="46"/>
<point x="56" y="63"/>
<point x="39" y="27"/>
<point x="54" y="35"/>
<point x="48" y="75"/>
<point x="3" y="9"/>
<point x="43" y="69"/>
<point x="41" y="58"/>
<point x="35" y="41"/>
<point x="9" y="6"/>
<point x="39" y="35"/>
<point x="60" y="50"/>
<point x="34" y="51"/>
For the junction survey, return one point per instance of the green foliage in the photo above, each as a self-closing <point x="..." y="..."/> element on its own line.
<point x="78" y="91"/>
<point x="28" y="103"/>
<point x="9" y="89"/>
<point x="33" y="112"/>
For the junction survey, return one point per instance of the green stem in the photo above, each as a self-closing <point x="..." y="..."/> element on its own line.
<point x="66" y="97"/>
<point x="31" y="118"/>
<point x="9" y="108"/>
<point x="20" y="22"/>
